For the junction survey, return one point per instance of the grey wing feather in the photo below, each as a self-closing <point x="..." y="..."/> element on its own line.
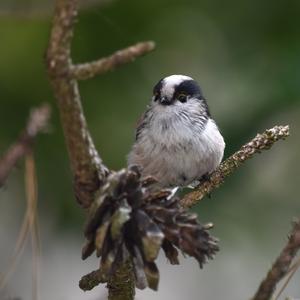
<point x="141" y="124"/>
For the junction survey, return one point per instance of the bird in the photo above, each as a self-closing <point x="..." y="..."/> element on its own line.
<point x="177" y="142"/>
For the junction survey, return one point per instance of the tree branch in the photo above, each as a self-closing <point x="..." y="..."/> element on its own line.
<point x="104" y="65"/>
<point x="38" y="121"/>
<point x="88" y="169"/>
<point x="89" y="281"/>
<point x="121" y="280"/>
<point x="281" y="265"/>
<point x="263" y="141"/>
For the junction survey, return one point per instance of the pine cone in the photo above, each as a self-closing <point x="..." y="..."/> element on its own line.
<point x="129" y="222"/>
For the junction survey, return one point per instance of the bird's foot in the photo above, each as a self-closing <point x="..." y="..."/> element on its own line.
<point x="193" y="184"/>
<point x="173" y="192"/>
<point x="205" y="178"/>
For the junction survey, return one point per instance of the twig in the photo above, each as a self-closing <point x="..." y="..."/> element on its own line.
<point x="263" y="141"/>
<point x="89" y="281"/>
<point x="37" y="122"/>
<point x="281" y="266"/>
<point x="104" y="65"/>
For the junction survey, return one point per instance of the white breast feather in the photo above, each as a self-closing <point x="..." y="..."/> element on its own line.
<point x="175" y="151"/>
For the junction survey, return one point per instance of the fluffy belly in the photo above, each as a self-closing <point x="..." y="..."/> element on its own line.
<point x="179" y="160"/>
<point x="179" y="168"/>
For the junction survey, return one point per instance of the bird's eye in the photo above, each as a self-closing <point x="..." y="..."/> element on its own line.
<point x="182" y="97"/>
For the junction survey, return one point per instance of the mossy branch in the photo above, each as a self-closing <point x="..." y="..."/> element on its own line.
<point x="123" y="280"/>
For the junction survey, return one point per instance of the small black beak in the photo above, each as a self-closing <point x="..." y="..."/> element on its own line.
<point x="165" y="100"/>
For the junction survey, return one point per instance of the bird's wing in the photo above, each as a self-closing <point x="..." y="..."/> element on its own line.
<point x="141" y="124"/>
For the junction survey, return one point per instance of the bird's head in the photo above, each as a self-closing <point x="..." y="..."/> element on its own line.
<point x="176" y="89"/>
<point x="178" y="93"/>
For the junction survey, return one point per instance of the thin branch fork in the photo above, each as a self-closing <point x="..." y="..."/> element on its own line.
<point x="104" y="65"/>
<point x="281" y="265"/>
<point x="88" y="169"/>
<point x="263" y="141"/>
<point x="86" y="164"/>
<point x="38" y="122"/>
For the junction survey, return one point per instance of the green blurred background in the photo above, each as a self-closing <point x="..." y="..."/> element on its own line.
<point x="246" y="57"/>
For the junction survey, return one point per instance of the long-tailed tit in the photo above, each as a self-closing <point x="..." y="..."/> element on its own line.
<point x="177" y="141"/>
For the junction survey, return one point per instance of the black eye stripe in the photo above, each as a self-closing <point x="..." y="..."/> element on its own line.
<point x="157" y="87"/>
<point x="156" y="96"/>
<point x="189" y="87"/>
